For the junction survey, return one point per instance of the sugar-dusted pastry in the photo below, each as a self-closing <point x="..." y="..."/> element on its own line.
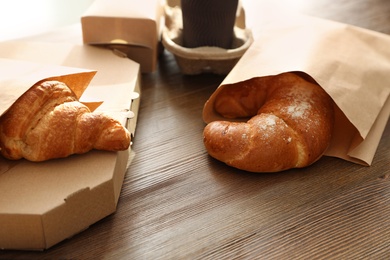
<point x="290" y="125"/>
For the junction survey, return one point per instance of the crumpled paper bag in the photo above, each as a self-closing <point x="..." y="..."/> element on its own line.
<point x="352" y="64"/>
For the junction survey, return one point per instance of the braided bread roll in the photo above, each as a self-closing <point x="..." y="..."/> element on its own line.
<point x="49" y="122"/>
<point x="290" y="125"/>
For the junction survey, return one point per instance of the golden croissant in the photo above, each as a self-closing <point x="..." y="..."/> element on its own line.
<point x="49" y="122"/>
<point x="290" y="126"/>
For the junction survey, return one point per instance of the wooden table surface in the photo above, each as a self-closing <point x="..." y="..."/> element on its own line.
<point x="178" y="203"/>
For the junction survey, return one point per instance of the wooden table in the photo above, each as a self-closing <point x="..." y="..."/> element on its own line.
<point x="178" y="203"/>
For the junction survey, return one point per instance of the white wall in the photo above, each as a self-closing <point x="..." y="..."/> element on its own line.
<point x="20" y="18"/>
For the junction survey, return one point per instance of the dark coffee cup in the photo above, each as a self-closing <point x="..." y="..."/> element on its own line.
<point x="208" y="22"/>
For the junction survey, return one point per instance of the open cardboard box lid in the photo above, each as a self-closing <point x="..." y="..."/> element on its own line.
<point x="44" y="203"/>
<point x="127" y="26"/>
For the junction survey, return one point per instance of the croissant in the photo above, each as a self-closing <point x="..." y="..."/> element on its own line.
<point x="49" y="122"/>
<point x="290" y="125"/>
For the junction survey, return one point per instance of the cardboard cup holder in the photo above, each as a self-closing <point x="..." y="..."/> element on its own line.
<point x="204" y="59"/>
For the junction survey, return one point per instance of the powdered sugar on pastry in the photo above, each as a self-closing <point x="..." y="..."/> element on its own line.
<point x="299" y="109"/>
<point x="292" y="127"/>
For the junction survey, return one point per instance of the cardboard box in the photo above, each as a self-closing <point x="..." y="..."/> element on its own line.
<point x="129" y="26"/>
<point x="44" y="203"/>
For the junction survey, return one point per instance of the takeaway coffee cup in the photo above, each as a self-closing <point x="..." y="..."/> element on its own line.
<point x="208" y="22"/>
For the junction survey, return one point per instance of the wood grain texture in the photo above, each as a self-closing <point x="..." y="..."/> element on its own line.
<point x="178" y="203"/>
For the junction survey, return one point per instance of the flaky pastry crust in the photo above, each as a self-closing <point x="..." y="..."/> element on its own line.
<point x="49" y="122"/>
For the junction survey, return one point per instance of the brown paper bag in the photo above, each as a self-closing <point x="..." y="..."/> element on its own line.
<point x="352" y="64"/>
<point x="107" y="78"/>
<point x="18" y="76"/>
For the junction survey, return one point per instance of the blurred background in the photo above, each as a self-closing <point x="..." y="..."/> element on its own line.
<point x="20" y="18"/>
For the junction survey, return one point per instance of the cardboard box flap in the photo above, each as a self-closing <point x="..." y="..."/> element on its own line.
<point x="65" y="177"/>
